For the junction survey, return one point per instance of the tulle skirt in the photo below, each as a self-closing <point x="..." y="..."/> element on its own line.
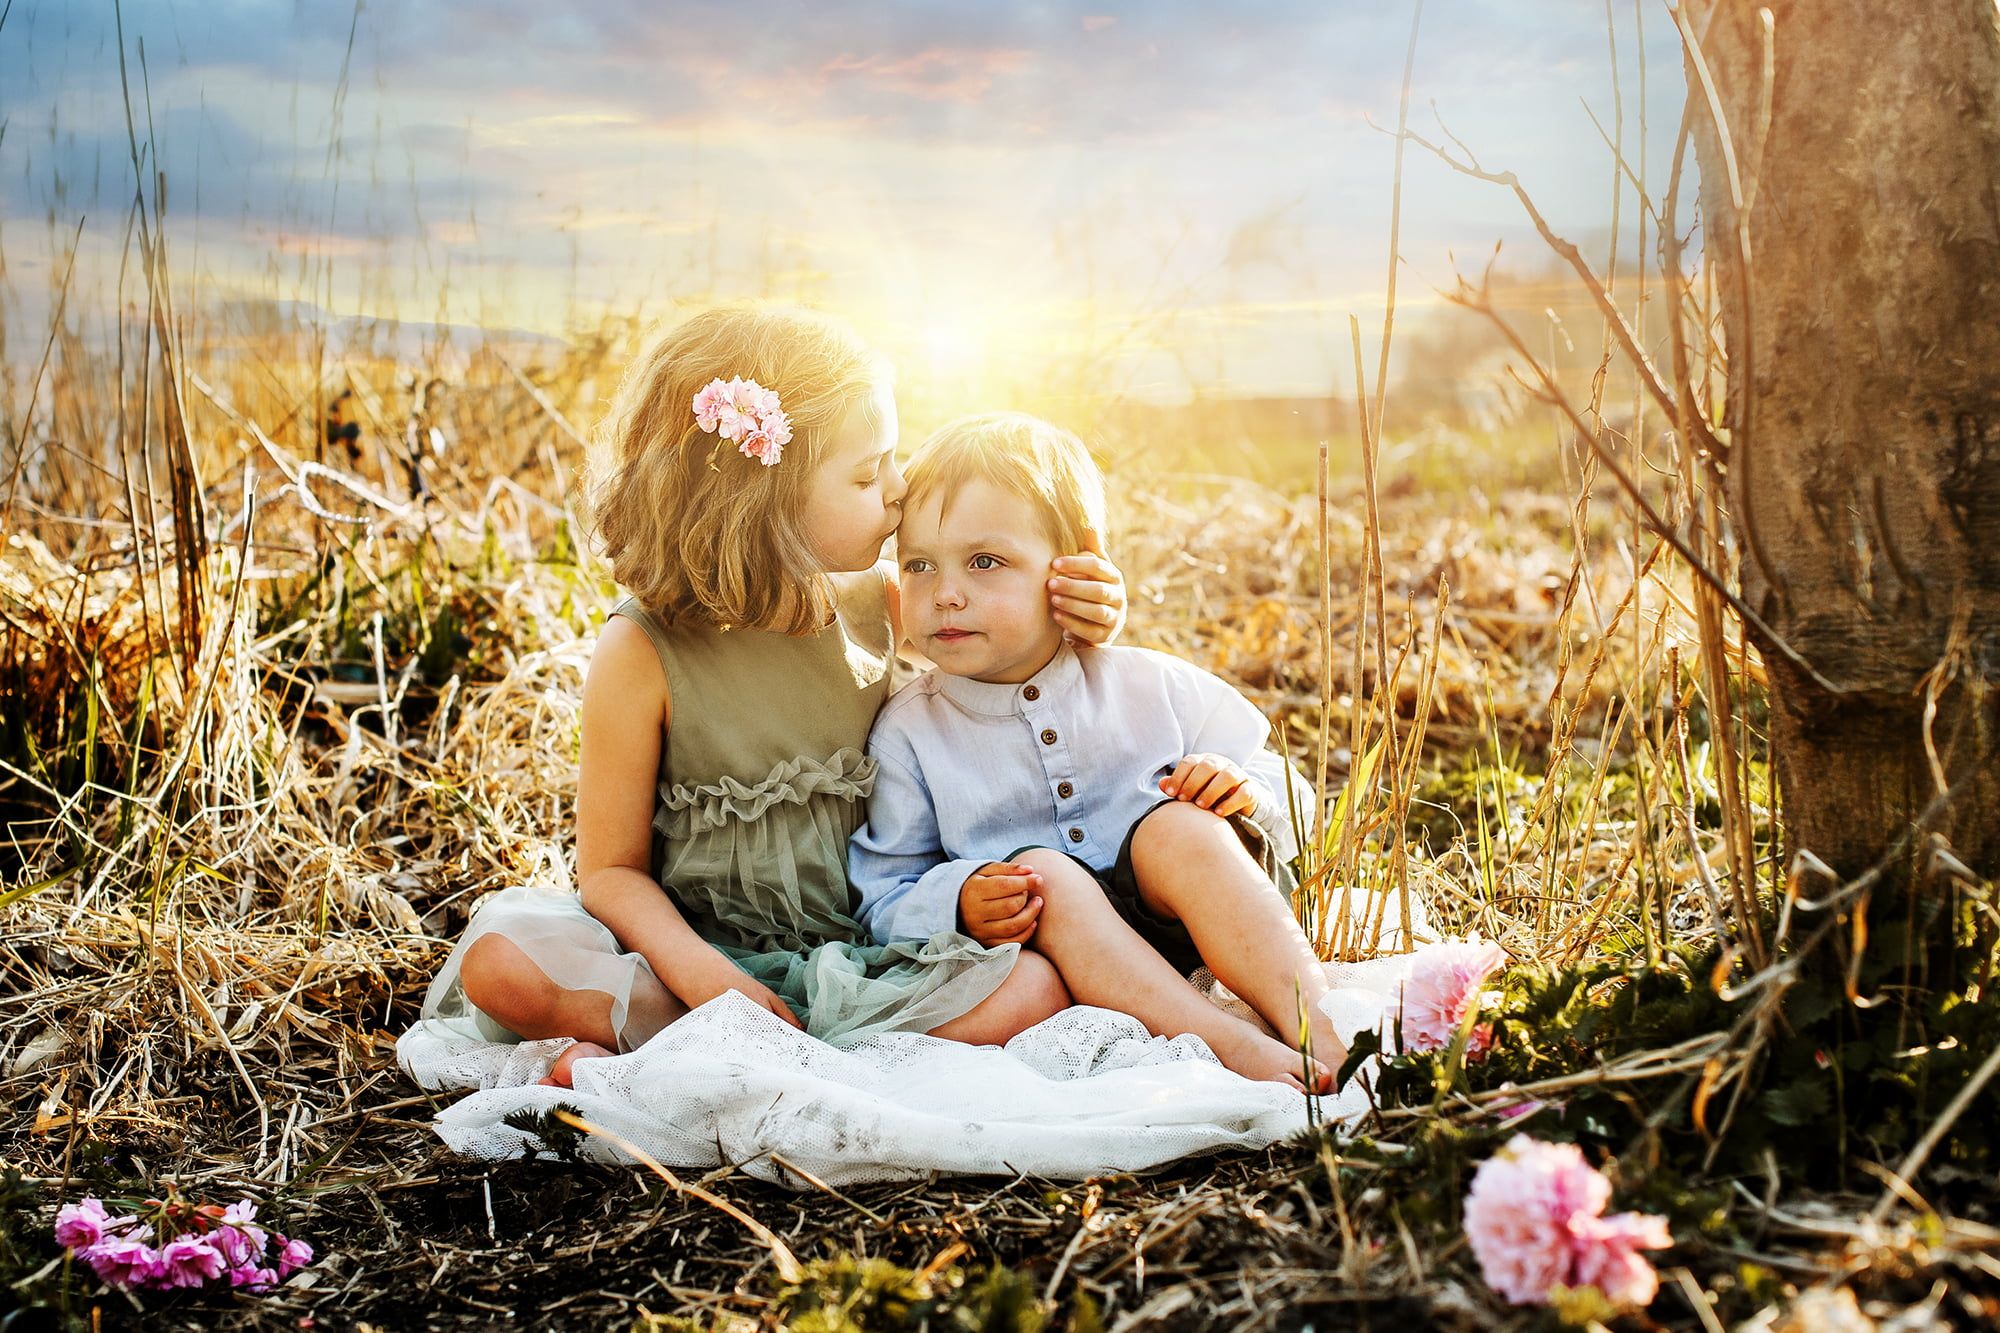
<point x="842" y="990"/>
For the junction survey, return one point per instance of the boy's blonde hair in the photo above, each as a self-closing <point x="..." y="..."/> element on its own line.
<point x="1042" y="463"/>
<point x="694" y="529"/>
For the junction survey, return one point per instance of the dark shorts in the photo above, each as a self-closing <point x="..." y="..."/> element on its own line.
<point x="1121" y="886"/>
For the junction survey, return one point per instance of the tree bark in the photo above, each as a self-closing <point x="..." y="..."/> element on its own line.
<point x="1862" y="322"/>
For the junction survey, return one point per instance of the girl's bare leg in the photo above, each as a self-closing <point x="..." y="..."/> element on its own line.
<point x="1105" y="962"/>
<point x="506" y="985"/>
<point x="1191" y="865"/>
<point x="1032" y="992"/>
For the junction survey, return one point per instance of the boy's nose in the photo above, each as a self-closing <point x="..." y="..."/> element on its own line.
<point x="948" y="595"/>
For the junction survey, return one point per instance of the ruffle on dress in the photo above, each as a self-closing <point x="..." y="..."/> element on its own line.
<point x="686" y="812"/>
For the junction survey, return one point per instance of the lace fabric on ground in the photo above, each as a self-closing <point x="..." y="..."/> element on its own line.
<point x="1084" y="1093"/>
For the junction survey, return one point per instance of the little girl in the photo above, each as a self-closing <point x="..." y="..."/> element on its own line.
<point x="724" y="717"/>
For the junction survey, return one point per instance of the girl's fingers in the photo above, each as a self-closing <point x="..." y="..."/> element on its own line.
<point x="1196" y="781"/>
<point x="1173" y="782"/>
<point x="1086" y="568"/>
<point x="1086" y="592"/>
<point x="1094" y="609"/>
<point x="1239" y="802"/>
<point x="1218" y="789"/>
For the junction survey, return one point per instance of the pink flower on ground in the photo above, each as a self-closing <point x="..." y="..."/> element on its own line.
<point x="123" y="1261"/>
<point x="1445" y="981"/>
<point x="292" y="1256"/>
<point x="1534" y="1218"/>
<point x="254" y="1278"/>
<point x="238" y="1237"/>
<point x="189" y="1261"/>
<point x="81" y="1225"/>
<point x="1608" y="1258"/>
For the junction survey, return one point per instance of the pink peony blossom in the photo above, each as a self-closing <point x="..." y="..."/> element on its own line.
<point x="81" y="1225"/>
<point x="292" y="1256"/>
<point x="1444" y="983"/>
<point x="760" y="446"/>
<point x="709" y="404"/>
<point x="189" y="1261"/>
<point x="1534" y="1218"/>
<point x="747" y="413"/>
<point x="123" y="1261"/>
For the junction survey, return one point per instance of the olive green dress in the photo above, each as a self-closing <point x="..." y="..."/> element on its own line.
<point x="762" y="781"/>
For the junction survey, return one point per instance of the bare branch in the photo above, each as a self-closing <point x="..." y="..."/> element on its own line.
<point x="1628" y="341"/>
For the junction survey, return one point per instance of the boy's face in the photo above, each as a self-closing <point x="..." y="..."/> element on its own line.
<point x="975" y="583"/>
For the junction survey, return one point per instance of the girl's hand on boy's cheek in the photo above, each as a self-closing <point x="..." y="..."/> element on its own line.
<point x="1212" y="782"/>
<point x="1088" y="593"/>
<point x="999" y="903"/>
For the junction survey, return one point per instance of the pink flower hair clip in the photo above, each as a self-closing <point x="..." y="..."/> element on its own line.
<point x="746" y="412"/>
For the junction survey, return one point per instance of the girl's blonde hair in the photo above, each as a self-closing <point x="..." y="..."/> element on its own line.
<point x="1042" y="463"/>
<point x="693" y="528"/>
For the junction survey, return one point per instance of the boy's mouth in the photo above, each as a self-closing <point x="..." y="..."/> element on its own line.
<point x="951" y="634"/>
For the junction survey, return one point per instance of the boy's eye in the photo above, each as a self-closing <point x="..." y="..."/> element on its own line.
<point x="916" y="566"/>
<point x="986" y="562"/>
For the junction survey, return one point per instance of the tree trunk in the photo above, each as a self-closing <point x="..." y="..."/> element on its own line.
<point x="1862" y="323"/>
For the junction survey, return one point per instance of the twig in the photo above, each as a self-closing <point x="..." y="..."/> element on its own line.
<point x="1939" y="1128"/>
<point x="782" y="1257"/>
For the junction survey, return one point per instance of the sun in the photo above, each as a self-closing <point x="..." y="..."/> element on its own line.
<point x="953" y="349"/>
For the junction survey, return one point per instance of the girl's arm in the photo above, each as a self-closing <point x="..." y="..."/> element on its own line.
<point x="626" y="713"/>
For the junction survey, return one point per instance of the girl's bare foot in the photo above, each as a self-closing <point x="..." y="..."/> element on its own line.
<point x="1254" y="1055"/>
<point x="564" y="1072"/>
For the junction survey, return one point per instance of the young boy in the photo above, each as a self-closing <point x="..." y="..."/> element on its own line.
<point x="1114" y="809"/>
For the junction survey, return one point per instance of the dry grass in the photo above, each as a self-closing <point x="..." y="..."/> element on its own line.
<point x="251" y="797"/>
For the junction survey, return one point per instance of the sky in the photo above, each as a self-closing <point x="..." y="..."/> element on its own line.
<point x="1186" y="198"/>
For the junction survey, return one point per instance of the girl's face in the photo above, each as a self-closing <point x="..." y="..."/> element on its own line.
<point x="854" y="500"/>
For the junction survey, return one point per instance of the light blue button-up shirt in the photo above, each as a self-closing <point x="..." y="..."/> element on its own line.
<point x="970" y="772"/>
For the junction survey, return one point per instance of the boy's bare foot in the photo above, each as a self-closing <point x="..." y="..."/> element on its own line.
<point x="1254" y="1055"/>
<point x="564" y="1072"/>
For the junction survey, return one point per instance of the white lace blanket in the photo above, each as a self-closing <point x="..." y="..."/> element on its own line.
<point x="1086" y="1093"/>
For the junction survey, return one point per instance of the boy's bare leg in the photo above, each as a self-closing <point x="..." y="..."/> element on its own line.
<point x="1105" y="962"/>
<point x="1032" y="992"/>
<point x="507" y="986"/>
<point x="1191" y="865"/>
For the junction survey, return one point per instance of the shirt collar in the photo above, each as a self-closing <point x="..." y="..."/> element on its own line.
<point x="1063" y="673"/>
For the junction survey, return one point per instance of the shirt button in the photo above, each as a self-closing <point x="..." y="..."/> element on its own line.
<point x="1048" y="736"/>
<point x="1032" y="693"/>
<point x="1076" y="835"/>
<point x="1065" y="790"/>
